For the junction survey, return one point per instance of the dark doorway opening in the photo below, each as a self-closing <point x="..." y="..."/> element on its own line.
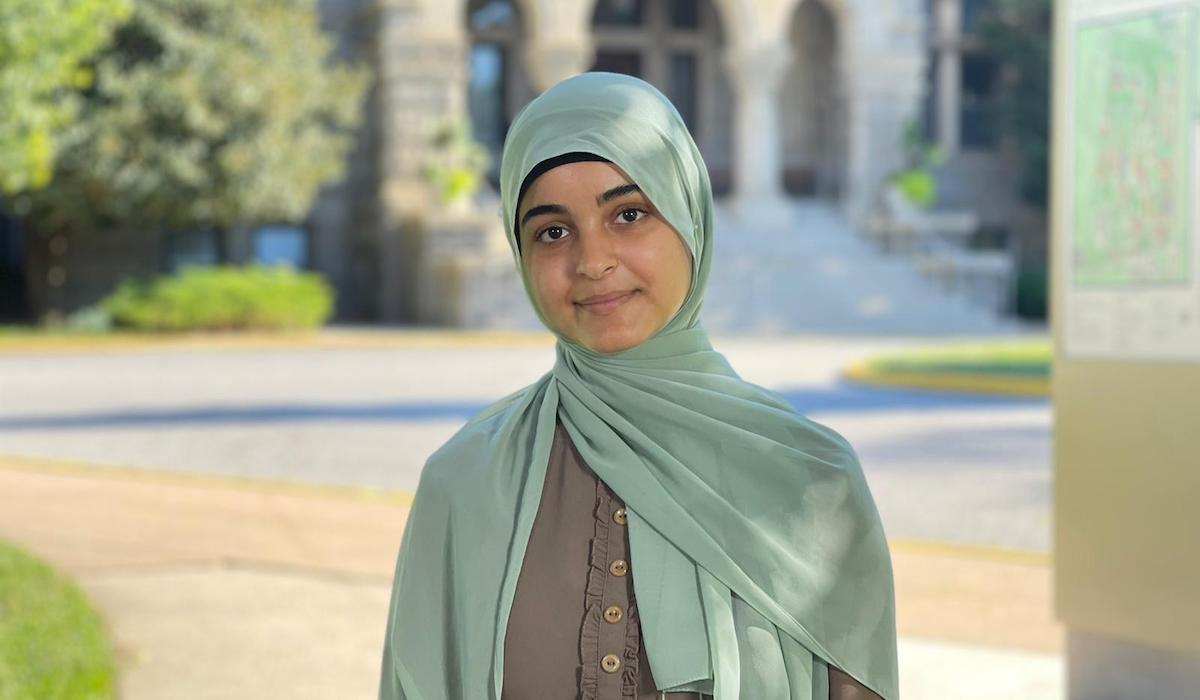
<point x="14" y="307"/>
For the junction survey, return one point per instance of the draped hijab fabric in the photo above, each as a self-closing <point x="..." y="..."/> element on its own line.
<point x="757" y="553"/>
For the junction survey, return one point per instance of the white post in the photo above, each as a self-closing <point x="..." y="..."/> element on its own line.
<point x="756" y="75"/>
<point x="547" y="61"/>
<point x="948" y="19"/>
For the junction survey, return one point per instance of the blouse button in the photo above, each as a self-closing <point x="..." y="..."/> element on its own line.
<point x="610" y="663"/>
<point x="612" y="614"/>
<point x="619" y="567"/>
<point x="619" y="516"/>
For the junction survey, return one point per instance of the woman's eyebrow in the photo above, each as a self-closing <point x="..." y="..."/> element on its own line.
<point x="607" y="196"/>
<point x="540" y="210"/>
<point x="619" y="191"/>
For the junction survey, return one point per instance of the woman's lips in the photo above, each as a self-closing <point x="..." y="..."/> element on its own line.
<point x="603" y="305"/>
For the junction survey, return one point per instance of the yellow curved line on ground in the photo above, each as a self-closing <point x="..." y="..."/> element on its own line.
<point x="964" y="383"/>
<point x="68" y="467"/>
<point x="961" y="550"/>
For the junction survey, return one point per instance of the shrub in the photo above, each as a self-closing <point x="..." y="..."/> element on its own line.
<point x="223" y="298"/>
<point x="916" y="180"/>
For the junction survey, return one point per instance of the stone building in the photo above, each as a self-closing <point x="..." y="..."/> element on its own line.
<point x="787" y="99"/>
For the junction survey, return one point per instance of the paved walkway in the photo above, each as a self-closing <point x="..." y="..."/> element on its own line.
<point x="229" y="589"/>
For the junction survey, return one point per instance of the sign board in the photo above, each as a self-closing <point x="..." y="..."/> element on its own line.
<point x="1131" y="264"/>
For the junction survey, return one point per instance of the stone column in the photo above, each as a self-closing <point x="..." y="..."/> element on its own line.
<point x="422" y="72"/>
<point x="756" y="74"/>
<point x="883" y="100"/>
<point x="549" y="60"/>
<point x="948" y="23"/>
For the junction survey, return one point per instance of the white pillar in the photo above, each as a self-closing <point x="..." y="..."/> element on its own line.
<point x="557" y="40"/>
<point x="884" y="74"/>
<point x="882" y="103"/>
<point x="948" y="23"/>
<point x="756" y="75"/>
<point x="421" y="83"/>
<point x="547" y="61"/>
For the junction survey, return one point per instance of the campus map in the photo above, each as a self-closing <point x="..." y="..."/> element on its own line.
<point x="1131" y="257"/>
<point x="1133" y="131"/>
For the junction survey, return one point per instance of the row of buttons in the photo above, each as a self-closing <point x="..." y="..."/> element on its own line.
<point x="611" y="663"/>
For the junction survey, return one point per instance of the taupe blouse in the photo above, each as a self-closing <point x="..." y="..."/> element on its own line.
<point x="573" y="632"/>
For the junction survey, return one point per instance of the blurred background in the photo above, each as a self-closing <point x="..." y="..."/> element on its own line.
<point x="253" y="272"/>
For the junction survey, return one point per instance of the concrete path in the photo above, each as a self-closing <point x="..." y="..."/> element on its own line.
<point x="227" y="589"/>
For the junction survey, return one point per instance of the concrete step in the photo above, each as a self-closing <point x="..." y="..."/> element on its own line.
<point x="809" y="270"/>
<point x="805" y="271"/>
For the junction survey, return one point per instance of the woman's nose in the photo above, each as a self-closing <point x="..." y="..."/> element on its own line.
<point x="597" y="253"/>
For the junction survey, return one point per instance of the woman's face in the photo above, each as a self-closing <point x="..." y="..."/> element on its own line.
<point x="607" y="270"/>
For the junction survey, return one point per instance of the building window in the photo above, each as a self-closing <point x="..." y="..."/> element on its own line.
<point x="978" y="109"/>
<point x="487" y="92"/>
<point x="281" y="245"/>
<point x="682" y="88"/>
<point x="198" y="247"/>
<point x="685" y="14"/>
<point x="495" y="27"/>
<point x="674" y="45"/>
<point x="626" y="62"/>
<point x="618" y="13"/>
<point x="929" y="115"/>
<point x="970" y="100"/>
<point x="492" y="15"/>
<point x="972" y="12"/>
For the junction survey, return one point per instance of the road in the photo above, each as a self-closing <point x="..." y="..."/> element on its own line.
<point x="970" y="470"/>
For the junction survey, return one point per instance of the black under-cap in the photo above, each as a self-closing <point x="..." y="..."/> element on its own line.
<point x="538" y="170"/>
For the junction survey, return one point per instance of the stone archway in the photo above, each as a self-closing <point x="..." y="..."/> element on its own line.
<point x="813" y="105"/>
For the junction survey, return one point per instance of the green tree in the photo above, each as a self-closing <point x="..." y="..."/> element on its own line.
<point x="205" y="114"/>
<point x="1018" y="33"/>
<point x="44" y="46"/>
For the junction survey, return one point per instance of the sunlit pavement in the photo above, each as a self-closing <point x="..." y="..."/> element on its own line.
<point x="225" y="589"/>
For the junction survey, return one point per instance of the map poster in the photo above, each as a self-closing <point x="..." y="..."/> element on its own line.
<point x="1130" y="261"/>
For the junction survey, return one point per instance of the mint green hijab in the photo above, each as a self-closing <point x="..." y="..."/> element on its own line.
<point x="757" y="552"/>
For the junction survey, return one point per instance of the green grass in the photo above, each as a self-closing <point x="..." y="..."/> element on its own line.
<point x="52" y="642"/>
<point x="1026" y="359"/>
<point x="1003" y="368"/>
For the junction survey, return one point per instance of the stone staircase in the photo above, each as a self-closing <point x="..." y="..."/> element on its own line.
<point x="802" y="270"/>
<point x="806" y="269"/>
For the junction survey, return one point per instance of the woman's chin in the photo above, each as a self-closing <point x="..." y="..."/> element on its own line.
<point x="613" y="339"/>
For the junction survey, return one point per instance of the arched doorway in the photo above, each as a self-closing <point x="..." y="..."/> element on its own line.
<point x="812" y="105"/>
<point x="497" y="84"/>
<point x="675" y="45"/>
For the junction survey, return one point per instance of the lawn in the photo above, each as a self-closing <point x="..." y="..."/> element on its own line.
<point x="52" y="642"/>
<point x="996" y="368"/>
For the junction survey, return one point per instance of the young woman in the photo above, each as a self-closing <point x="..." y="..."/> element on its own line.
<point x="640" y="522"/>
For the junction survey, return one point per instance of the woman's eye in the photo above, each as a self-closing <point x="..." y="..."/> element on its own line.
<point x="552" y="233"/>
<point x="629" y="216"/>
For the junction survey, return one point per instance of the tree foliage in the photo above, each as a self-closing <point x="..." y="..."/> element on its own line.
<point x="206" y="113"/>
<point x="1018" y="33"/>
<point x="44" y="46"/>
